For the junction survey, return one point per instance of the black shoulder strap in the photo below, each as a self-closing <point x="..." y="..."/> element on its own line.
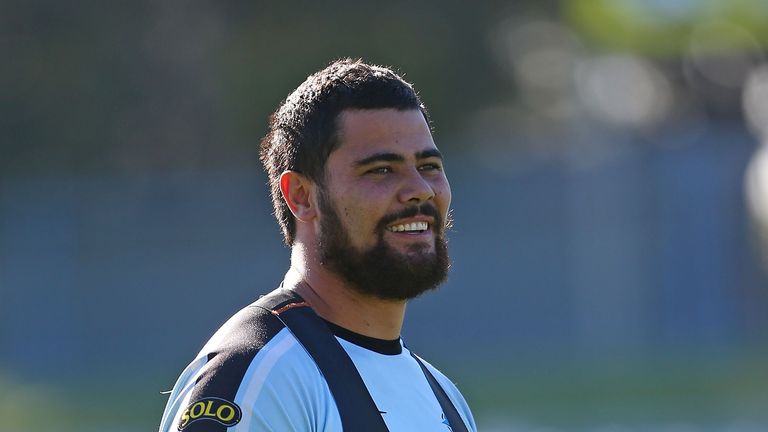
<point x="357" y="409"/>
<point x="450" y="411"/>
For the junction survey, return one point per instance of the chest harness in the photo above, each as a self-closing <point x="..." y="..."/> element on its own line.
<point x="356" y="407"/>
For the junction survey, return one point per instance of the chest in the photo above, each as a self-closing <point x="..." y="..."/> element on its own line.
<point x="399" y="389"/>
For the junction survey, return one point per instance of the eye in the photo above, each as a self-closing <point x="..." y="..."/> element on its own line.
<point x="430" y="167"/>
<point x="379" y="170"/>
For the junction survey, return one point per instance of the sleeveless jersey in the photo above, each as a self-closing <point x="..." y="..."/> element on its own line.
<point x="254" y="375"/>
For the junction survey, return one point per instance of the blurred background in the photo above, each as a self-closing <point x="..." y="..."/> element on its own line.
<point x="609" y="173"/>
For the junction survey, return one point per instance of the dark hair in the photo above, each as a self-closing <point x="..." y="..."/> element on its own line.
<point x="303" y="130"/>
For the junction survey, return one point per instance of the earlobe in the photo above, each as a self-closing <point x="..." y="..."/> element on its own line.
<point x="296" y="191"/>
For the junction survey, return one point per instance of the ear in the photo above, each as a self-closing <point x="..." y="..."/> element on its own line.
<point x="297" y="190"/>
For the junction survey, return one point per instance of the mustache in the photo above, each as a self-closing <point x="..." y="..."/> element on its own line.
<point x="425" y="209"/>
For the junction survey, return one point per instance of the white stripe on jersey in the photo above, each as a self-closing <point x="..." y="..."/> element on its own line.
<point x="257" y="373"/>
<point x="179" y="398"/>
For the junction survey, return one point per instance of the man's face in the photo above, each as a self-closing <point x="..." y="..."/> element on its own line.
<point x="384" y="204"/>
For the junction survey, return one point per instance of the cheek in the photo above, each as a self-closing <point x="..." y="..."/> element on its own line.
<point x="443" y="194"/>
<point x="359" y="219"/>
<point x="366" y="200"/>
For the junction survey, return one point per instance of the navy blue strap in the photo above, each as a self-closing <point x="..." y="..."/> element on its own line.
<point x="451" y="414"/>
<point x="356" y="407"/>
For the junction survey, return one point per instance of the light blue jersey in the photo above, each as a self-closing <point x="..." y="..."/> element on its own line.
<point x="254" y="375"/>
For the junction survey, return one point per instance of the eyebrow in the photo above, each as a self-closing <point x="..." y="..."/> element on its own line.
<point x="394" y="157"/>
<point x="424" y="154"/>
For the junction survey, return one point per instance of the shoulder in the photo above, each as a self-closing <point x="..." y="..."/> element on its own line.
<point x="251" y="375"/>
<point x="250" y="335"/>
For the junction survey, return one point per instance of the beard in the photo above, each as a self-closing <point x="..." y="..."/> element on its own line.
<point x="381" y="271"/>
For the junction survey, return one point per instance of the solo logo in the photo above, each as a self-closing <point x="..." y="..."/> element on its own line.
<point x="219" y="410"/>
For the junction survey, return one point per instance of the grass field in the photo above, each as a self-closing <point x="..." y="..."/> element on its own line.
<point x="728" y="396"/>
<point x="676" y="396"/>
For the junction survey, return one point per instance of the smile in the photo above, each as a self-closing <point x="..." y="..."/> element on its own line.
<point x="409" y="227"/>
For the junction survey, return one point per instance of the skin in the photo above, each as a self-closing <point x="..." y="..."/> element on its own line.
<point x="386" y="161"/>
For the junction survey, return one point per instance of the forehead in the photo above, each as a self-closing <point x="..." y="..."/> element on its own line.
<point x="368" y="131"/>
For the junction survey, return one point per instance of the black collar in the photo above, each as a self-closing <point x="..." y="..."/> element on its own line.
<point x="381" y="346"/>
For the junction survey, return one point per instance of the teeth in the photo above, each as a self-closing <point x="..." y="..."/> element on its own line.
<point x="414" y="226"/>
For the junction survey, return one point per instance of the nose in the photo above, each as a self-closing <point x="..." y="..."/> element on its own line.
<point x="416" y="189"/>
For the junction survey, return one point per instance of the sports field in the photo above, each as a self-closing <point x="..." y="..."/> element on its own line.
<point x="650" y="397"/>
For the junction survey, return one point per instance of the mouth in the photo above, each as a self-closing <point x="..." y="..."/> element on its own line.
<point x="409" y="228"/>
<point x="417" y="221"/>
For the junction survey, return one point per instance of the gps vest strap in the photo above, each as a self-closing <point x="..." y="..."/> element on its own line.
<point x="356" y="407"/>
<point x="357" y="410"/>
<point x="450" y="411"/>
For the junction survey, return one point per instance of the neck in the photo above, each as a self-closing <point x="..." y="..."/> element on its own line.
<point x="332" y="298"/>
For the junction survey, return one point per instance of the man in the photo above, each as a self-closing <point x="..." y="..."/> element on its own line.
<point x="362" y="199"/>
